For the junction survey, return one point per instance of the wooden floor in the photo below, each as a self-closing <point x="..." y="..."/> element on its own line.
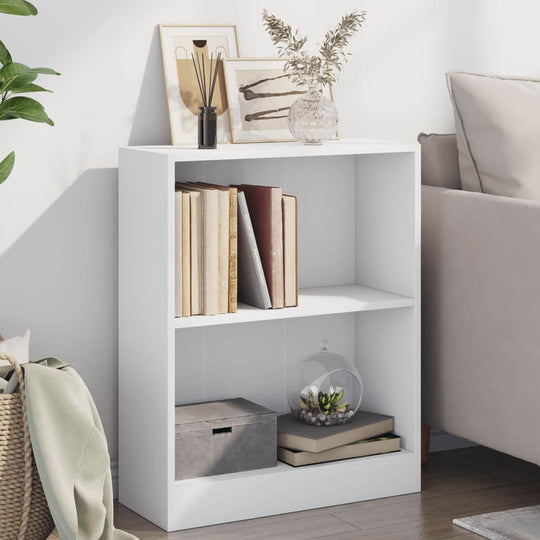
<point x="454" y="484"/>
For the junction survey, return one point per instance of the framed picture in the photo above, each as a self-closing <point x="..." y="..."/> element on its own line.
<point x="260" y="95"/>
<point x="178" y="42"/>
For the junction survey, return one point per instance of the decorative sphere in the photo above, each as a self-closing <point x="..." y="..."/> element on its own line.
<point x="325" y="390"/>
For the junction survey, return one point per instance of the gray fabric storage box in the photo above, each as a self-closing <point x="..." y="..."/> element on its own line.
<point x="225" y="436"/>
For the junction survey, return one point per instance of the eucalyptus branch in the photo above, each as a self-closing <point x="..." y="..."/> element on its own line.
<point x="282" y="35"/>
<point x="304" y="68"/>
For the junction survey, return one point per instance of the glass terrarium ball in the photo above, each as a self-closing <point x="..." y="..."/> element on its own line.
<point x="325" y="390"/>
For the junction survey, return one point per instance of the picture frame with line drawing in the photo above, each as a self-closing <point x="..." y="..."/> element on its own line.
<point x="260" y="94"/>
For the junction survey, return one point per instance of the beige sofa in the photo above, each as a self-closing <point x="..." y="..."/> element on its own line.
<point x="481" y="310"/>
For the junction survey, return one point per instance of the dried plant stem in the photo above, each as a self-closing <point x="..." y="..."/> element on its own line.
<point x="304" y="68"/>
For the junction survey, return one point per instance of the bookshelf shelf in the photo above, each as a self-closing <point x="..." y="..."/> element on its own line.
<point x="359" y="277"/>
<point x="311" y="303"/>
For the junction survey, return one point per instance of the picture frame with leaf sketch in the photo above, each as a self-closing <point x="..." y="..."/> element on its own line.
<point x="178" y="42"/>
<point x="259" y="94"/>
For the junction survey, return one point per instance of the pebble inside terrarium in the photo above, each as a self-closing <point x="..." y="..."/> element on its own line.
<point x="325" y="390"/>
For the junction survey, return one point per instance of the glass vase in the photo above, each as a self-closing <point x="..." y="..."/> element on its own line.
<point x="313" y="118"/>
<point x="207" y="127"/>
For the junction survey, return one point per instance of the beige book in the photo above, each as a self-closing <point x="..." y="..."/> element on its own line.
<point x="370" y="447"/>
<point x="196" y="248"/>
<point x="293" y="433"/>
<point x="290" y="249"/>
<point x="210" y="275"/>
<point x="178" y="254"/>
<point x="224" y="244"/>
<point x="186" y="255"/>
<point x="233" y="250"/>
<point x="223" y="250"/>
<point x="233" y="245"/>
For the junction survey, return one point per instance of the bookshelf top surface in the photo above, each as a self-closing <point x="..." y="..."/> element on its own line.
<point x="311" y="302"/>
<point x="278" y="150"/>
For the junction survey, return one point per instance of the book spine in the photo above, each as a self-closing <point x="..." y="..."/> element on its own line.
<point x="276" y="245"/>
<point x="223" y="251"/>
<point x="178" y="254"/>
<point x="211" y="255"/>
<point x="196" y="254"/>
<point x="186" y="255"/>
<point x="233" y="250"/>
<point x="290" y="250"/>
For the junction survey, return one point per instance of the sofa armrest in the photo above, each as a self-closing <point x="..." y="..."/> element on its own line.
<point x="481" y="318"/>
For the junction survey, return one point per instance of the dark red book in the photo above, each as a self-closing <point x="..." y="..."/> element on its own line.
<point x="265" y="210"/>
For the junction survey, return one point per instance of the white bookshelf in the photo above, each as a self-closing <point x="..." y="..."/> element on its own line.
<point x="359" y="275"/>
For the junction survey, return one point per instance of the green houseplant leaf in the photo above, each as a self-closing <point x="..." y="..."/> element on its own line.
<point x="25" y="108"/>
<point x="6" y="166"/>
<point x="5" y="57"/>
<point x="29" y="88"/>
<point x="15" y="76"/>
<point x="17" y="7"/>
<point x="11" y="69"/>
<point x="13" y="79"/>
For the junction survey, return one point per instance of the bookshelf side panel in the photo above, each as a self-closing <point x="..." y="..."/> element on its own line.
<point x="145" y="340"/>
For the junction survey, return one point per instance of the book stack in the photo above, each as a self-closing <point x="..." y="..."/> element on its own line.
<point x="366" y="434"/>
<point x="234" y="244"/>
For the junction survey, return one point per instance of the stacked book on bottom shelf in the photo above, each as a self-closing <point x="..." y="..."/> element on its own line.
<point x="234" y="244"/>
<point x="366" y="434"/>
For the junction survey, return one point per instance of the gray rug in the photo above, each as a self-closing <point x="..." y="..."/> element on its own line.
<point x="517" y="524"/>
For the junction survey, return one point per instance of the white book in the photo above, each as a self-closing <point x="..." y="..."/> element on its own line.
<point x="178" y="254"/>
<point x="252" y="287"/>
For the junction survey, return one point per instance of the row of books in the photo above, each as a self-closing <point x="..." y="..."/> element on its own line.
<point x="366" y="434"/>
<point x="234" y="244"/>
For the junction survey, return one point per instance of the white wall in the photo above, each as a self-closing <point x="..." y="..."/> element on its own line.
<point x="58" y="210"/>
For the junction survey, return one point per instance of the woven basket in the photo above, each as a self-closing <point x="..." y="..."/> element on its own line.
<point x="24" y="514"/>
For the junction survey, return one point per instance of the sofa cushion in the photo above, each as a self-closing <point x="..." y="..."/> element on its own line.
<point x="498" y="133"/>
<point x="440" y="166"/>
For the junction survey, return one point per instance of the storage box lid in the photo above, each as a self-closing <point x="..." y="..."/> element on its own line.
<point x="215" y="414"/>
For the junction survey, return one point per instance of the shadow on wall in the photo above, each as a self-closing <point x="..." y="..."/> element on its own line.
<point x="151" y="120"/>
<point x="60" y="280"/>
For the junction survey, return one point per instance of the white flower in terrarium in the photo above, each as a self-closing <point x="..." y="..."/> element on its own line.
<point x="324" y="390"/>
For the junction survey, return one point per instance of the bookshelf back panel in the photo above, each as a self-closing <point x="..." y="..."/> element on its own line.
<point x="326" y="192"/>
<point x="354" y="213"/>
<point x="254" y="360"/>
<point x="389" y="363"/>
<point x="388" y="222"/>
